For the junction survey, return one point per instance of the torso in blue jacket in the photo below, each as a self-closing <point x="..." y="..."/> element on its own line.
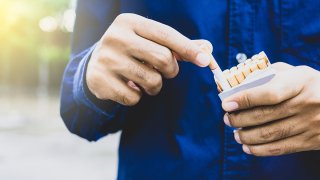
<point x="180" y="134"/>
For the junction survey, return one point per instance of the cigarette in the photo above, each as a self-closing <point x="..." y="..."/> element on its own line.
<point x="232" y="80"/>
<point x="263" y="56"/>
<point x="239" y="76"/>
<point x="255" y="57"/>
<point x="215" y="68"/>
<point x="219" y="86"/>
<point x="248" y="61"/>
<point x="233" y="69"/>
<point x="253" y="67"/>
<point x="226" y="72"/>
<point x="221" y="79"/>
<point x="224" y="85"/>
<point x="262" y="64"/>
<point x="240" y="65"/>
<point x="246" y="71"/>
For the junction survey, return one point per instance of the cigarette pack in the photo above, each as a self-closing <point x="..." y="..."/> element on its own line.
<point x="251" y="73"/>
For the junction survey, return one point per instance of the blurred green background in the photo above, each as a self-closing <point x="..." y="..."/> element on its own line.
<point x="35" y="144"/>
<point x="34" y="34"/>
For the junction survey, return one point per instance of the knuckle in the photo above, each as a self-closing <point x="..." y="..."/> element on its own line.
<point x="92" y="77"/>
<point x="155" y="84"/>
<point x="265" y="150"/>
<point x="94" y="80"/>
<point x="246" y="100"/>
<point x="164" y="59"/>
<point x="163" y="34"/>
<point x="275" y="150"/>
<point x="120" y="17"/>
<point x="135" y="48"/>
<point x="274" y="97"/>
<point x="107" y="60"/>
<point x="289" y="149"/>
<point x="112" y="36"/>
<point x="264" y="111"/>
<point x="261" y="114"/>
<point x="119" y="97"/>
<point x="267" y="133"/>
<point x="133" y="100"/>
<point x="285" y="132"/>
<point x="141" y="74"/>
<point x="100" y="95"/>
<point x="164" y="63"/>
<point x="311" y="145"/>
<point x="124" y="17"/>
<point x="276" y="133"/>
<point x="283" y="109"/>
<point x="175" y="71"/>
<point x="172" y="71"/>
<point x="100" y="57"/>
<point x="189" y="51"/>
<point x="272" y="150"/>
<point x="128" y="99"/>
<point x="138" y="71"/>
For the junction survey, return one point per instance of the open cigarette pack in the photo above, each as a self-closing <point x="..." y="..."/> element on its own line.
<point x="248" y="74"/>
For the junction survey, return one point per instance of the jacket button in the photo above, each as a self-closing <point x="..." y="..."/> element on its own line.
<point x="241" y="57"/>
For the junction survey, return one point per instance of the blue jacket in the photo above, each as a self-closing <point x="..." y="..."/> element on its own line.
<point x="180" y="134"/>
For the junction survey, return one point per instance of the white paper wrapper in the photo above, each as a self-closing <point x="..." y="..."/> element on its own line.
<point x="257" y="78"/>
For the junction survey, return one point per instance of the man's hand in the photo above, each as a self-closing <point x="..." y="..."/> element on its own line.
<point x="279" y="117"/>
<point x="134" y="54"/>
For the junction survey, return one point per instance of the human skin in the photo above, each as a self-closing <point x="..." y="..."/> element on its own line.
<point x="133" y="56"/>
<point x="279" y="117"/>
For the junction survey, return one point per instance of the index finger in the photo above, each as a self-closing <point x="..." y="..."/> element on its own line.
<point x="172" y="39"/>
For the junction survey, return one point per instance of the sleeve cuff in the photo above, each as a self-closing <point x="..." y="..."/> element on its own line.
<point x="84" y="96"/>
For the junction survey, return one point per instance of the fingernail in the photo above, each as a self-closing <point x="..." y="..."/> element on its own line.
<point x="237" y="137"/>
<point x="226" y="119"/>
<point x="203" y="59"/>
<point x="246" y="149"/>
<point x="230" y="106"/>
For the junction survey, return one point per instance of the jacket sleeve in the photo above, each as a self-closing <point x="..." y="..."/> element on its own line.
<point x="82" y="113"/>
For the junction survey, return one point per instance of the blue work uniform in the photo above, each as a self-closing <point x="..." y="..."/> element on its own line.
<point x="180" y="134"/>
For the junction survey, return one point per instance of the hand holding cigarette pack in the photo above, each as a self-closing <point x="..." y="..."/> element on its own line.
<point x="251" y="73"/>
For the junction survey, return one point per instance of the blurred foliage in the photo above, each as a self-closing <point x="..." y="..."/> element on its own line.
<point x="23" y="46"/>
